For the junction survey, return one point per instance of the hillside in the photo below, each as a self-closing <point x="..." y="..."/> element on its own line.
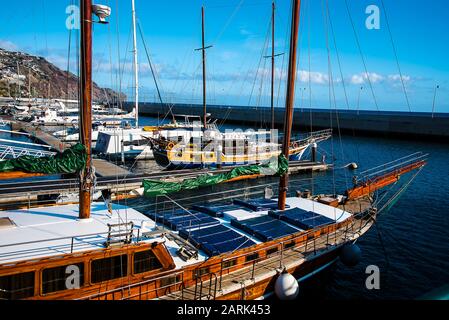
<point x="43" y="77"/>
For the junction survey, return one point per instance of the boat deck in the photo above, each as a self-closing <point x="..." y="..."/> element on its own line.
<point x="221" y="285"/>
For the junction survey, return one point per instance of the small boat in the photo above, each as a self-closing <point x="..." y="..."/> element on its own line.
<point x="132" y="143"/>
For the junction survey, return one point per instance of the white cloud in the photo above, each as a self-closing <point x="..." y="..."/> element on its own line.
<point x="361" y="78"/>
<point x="397" y="77"/>
<point x="313" y="77"/>
<point x="245" y="32"/>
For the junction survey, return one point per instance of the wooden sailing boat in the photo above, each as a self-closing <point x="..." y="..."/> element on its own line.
<point x="244" y="250"/>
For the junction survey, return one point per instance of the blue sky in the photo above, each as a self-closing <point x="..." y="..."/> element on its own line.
<point x="238" y="31"/>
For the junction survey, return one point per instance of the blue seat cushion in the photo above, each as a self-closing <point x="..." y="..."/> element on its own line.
<point x="257" y="204"/>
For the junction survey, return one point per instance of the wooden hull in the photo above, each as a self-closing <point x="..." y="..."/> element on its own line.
<point x="265" y="288"/>
<point x="163" y="159"/>
<point x="231" y="275"/>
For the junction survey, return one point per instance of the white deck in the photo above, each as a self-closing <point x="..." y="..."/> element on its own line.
<point x="306" y="204"/>
<point x="40" y="231"/>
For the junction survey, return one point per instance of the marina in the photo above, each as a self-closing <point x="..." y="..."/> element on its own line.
<point x="108" y="195"/>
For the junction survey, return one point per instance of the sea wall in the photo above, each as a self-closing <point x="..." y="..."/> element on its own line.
<point x="383" y="123"/>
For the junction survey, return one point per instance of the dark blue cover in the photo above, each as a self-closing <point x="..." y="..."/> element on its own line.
<point x="160" y="216"/>
<point x="258" y="204"/>
<point x="190" y="221"/>
<point x="216" y="239"/>
<point x="265" y="228"/>
<point x="217" y="210"/>
<point x="301" y="218"/>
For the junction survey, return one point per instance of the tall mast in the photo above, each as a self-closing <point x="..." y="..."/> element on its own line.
<point x="272" y="64"/>
<point x="203" y="49"/>
<point x="289" y="100"/>
<point x="136" y="66"/>
<point x="86" y="105"/>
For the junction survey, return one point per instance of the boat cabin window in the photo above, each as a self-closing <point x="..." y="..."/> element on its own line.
<point x="200" y="272"/>
<point x="168" y="281"/>
<point x="229" y="263"/>
<point x="62" y="278"/>
<point x="109" y="268"/>
<point x="252" y="257"/>
<point x="289" y="245"/>
<point x="145" y="261"/>
<point x="17" y="286"/>
<point x="272" y="250"/>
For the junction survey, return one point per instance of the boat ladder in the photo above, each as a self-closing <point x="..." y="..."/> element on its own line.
<point x="120" y="233"/>
<point x="205" y="289"/>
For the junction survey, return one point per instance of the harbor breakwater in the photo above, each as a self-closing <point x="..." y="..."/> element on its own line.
<point x="380" y="123"/>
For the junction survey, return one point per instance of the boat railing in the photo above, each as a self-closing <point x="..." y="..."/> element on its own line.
<point x="11" y="151"/>
<point x="315" y="136"/>
<point x="69" y="244"/>
<point x="307" y="247"/>
<point x="166" y="276"/>
<point x="392" y="166"/>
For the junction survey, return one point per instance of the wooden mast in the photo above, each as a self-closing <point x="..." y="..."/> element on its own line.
<point x="289" y="100"/>
<point x="86" y="106"/>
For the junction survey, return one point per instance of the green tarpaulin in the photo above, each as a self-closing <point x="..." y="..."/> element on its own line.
<point x="154" y="188"/>
<point x="70" y="161"/>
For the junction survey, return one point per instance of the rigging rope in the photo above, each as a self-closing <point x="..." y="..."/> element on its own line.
<point x="396" y="56"/>
<point x="152" y="70"/>
<point x="361" y="55"/>
<point x="331" y="82"/>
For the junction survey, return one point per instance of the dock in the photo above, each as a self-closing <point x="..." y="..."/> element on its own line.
<point x="27" y="192"/>
<point x="105" y="168"/>
<point x="40" y="135"/>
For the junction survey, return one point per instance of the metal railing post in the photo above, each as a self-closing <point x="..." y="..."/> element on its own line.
<point x="221" y="272"/>
<point x="282" y="255"/>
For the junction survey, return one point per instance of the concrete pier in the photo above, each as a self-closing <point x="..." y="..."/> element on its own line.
<point x="40" y="135"/>
<point x="104" y="168"/>
<point x="378" y="123"/>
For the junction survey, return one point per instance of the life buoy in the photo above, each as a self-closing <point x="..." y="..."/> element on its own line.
<point x="170" y="146"/>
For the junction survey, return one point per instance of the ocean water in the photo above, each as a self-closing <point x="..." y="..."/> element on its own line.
<point x="409" y="243"/>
